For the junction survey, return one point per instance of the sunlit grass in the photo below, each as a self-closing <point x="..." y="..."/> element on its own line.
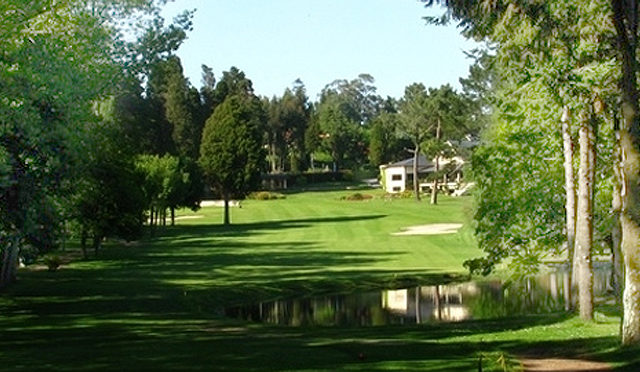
<point x="158" y="304"/>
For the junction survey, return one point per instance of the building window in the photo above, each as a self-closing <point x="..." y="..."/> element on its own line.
<point x="396" y="177"/>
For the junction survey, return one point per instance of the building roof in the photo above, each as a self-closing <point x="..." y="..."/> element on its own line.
<point x="424" y="165"/>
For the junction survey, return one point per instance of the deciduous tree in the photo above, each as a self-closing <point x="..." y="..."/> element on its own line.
<point x="56" y="59"/>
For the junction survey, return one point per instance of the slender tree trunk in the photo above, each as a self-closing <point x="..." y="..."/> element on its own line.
<point x="584" y="221"/>
<point x="17" y="199"/>
<point x="273" y="159"/>
<point x="418" y="315"/>
<point x="97" y="243"/>
<point x="570" y="197"/>
<point x="173" y="216"/>
<point x="84" y="235"/>
<point x="566" y="283"/>
<point x="438" y="303"/>
<point x="416" y="181"/>
<point x="617" y="277"/>
<point x="625" y="20"/>
<point x="434" y="192"/>
<point x="151" y="220"/>
<point x="227" y="220"/>
<point x="10" y="260"/>
<point x="435" y="185"/>
<point x="156" y="218"/>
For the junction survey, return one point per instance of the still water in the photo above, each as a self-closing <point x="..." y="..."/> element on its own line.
<point x="429" y="304"/>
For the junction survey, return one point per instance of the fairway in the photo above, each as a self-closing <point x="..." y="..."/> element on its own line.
<point x="158" y="304"/>
<point x="320" y="236"/>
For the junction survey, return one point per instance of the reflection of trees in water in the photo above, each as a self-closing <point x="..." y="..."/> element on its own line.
<point x="488" y="302"/>
<point x="542" y="294"/>
<point x="440" y="303"/>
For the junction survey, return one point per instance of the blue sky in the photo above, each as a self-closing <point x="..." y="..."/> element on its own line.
<point x="277" y="41"/>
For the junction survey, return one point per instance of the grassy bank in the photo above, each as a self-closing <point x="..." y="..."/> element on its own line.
<point x="157" y="304"/>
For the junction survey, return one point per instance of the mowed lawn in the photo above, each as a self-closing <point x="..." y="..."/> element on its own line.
<point x="158" y="304"/>
<point x="317" y="236"/>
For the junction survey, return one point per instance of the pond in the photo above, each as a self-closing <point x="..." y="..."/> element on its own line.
<point x="429" y="304"/>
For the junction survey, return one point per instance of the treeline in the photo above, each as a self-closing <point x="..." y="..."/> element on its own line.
<point x="559" y="168"/>
<point x="101" y="133"/>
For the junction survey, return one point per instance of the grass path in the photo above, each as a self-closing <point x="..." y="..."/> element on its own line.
<point x="156" y="305"/>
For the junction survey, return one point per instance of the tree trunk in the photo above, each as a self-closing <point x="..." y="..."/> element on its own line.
<point x="10" y="260"/>
<point x="416" y="181"/>
<point x="630" y="226"/>
<point x="434" y="192"/>
<point x="566" y="283"/>
<point x="97" y="243"/>
<point x="313" y="167"/>
<point x="227" y="220"/>
<point x="84" y="235"/>
<point x="151" y="220"/>
<point x="173" y="216"/>
<point x="570" y="198"/>
<point x="625" y="20"/>
<point x="418" y="315"/>
<point x="584" y="221"/>
<point x="438" y="303"/>
<point x="272" y="158"/>
<point x="617" y="277"/>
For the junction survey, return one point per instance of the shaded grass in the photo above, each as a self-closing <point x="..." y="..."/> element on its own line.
<point x="157" y="305"/>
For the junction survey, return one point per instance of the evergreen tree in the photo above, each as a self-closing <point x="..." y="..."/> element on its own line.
<point x="231" y="154"/>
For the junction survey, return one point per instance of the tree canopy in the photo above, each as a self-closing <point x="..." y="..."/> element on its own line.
<point x="231" y="154"/>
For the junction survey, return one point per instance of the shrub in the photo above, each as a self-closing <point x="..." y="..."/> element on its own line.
<point x="406" y="194"/>
<point x="265" y="195"/>
<point x="301" y="181"/>
<point x="53" y="262"/>
<point x="347" y="175"/>
<point x="357" y="197"/>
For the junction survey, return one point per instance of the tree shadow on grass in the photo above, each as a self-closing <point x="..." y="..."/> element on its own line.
<point x="194" y="345"/>
<point x="201" y="275"/>
<point x="190" y="231"/>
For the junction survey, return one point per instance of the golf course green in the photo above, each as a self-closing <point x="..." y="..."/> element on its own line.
<point x="158" y="304"/>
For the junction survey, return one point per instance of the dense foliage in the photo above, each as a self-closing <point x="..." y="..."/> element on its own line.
<point x="231" y="154"/>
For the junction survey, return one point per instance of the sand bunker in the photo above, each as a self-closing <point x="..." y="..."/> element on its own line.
<point x="433" y="229"/>
<point x="220" y="203"/>
<point x="189" y="217"/>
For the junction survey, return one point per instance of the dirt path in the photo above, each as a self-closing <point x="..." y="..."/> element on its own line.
<point x="541" y="364"/>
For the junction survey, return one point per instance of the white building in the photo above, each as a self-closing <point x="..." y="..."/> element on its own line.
<point x="396" y="176"/>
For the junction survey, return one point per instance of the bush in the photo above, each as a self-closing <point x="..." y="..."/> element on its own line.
<point x="301" y="181"/>
<point x="53" y="262"/>
<point x="265" y="195"/>
<point x="357" y="197"/>
<point x="407" y="194"/>
<point x="366" y="172"/>
<point x="347" y="175"/>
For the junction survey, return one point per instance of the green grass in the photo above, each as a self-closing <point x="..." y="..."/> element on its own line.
<point x="157" y="304"/>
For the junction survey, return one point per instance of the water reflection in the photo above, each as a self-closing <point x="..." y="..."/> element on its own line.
<point x="439" y="303"/>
